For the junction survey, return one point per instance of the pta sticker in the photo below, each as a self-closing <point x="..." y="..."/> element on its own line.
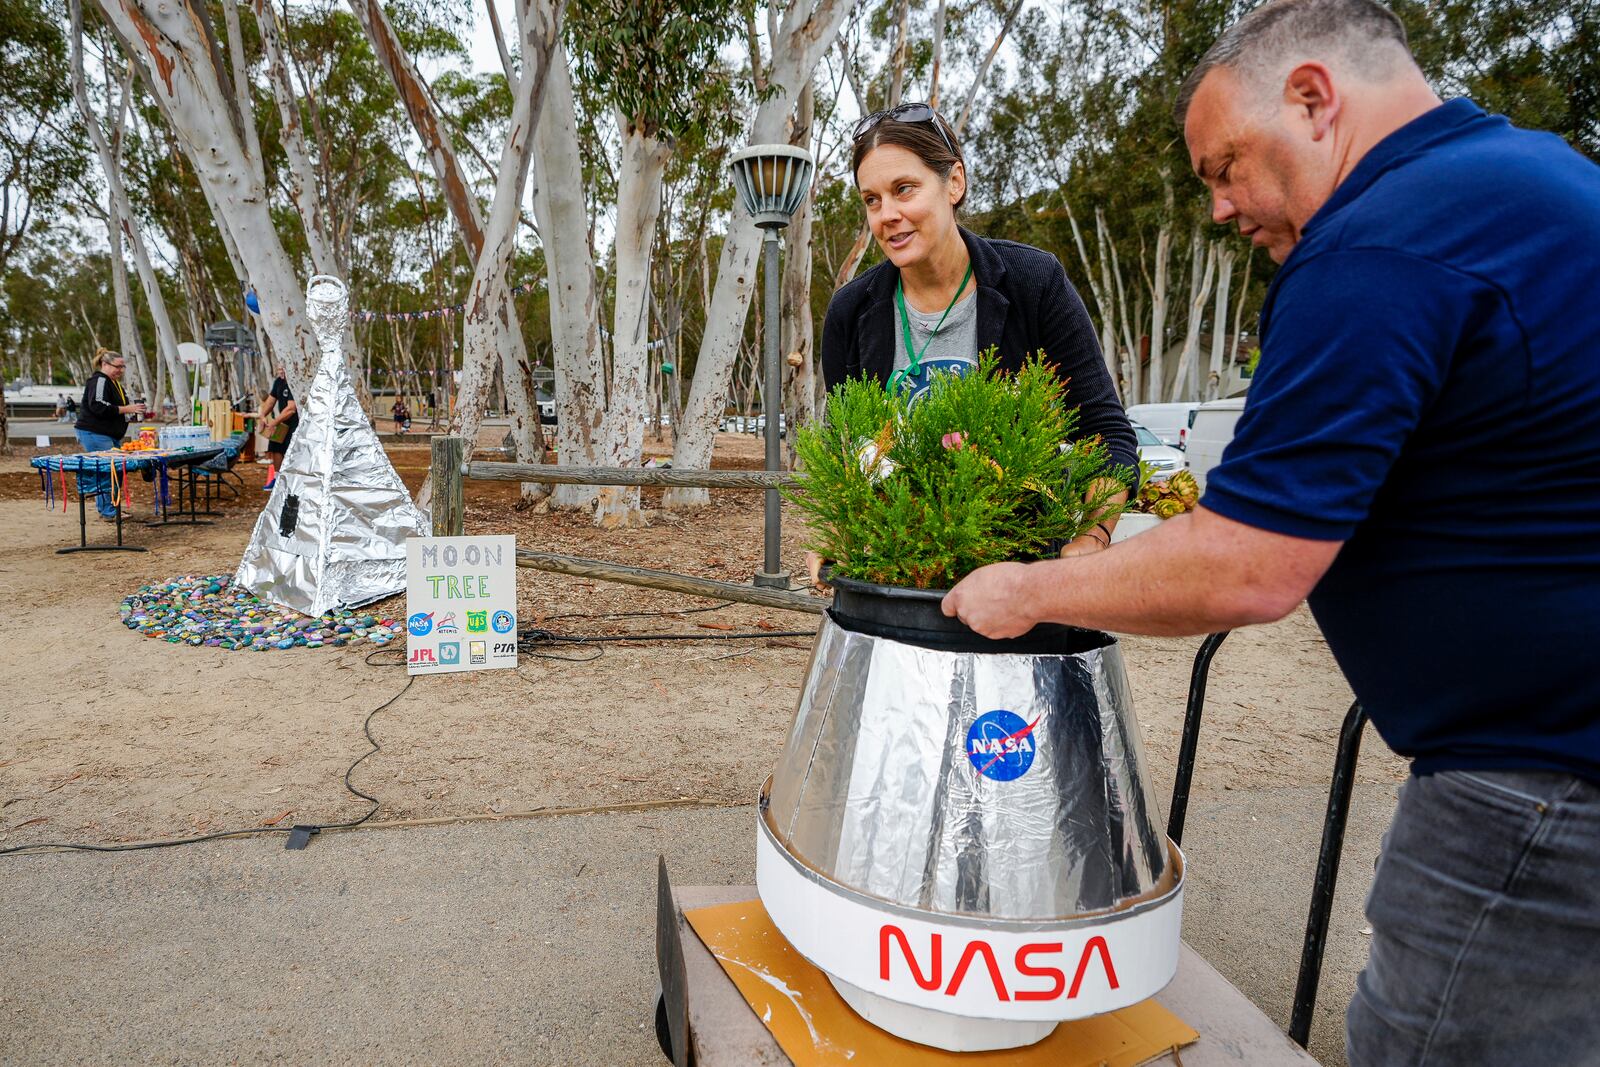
<point x="1001" y="746"/>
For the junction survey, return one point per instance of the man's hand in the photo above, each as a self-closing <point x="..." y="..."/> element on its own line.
<point x="993" y="601"/>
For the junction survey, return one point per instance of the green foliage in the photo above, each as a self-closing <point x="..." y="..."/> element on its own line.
<point x="973" y="473"/>
<point x="42" y="152"/>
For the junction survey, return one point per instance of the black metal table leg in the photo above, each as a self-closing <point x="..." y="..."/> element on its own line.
<point x="83" y="544"/>
<point x="1191" y="735"/>
<point x="1339" y="790"/>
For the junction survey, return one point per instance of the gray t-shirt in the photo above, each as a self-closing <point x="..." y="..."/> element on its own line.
<point x="952" y="351"/>
<point x="958" y="338"/>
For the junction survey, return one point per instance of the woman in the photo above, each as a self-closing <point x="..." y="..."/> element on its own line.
<point x="944" y="294"/>
<point x="102" y="423"/>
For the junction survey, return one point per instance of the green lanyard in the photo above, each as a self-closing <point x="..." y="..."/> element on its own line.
<point x="915" y="357"/>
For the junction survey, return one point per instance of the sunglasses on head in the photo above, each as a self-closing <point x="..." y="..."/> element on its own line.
<point x="905" y="113"/>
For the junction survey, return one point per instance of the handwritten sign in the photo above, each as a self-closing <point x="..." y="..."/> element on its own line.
<point x="461" y="603"/>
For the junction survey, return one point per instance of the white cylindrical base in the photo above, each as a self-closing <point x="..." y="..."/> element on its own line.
<point x="940" y="1029"/>
<point x="961" y="982"/>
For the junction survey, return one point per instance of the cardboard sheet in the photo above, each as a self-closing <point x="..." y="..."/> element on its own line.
<point x="816" y="1028"/>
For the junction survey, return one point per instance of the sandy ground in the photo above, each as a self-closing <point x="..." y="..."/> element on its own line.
<point x="107" y="736"/>
<point x="111" y="736"/>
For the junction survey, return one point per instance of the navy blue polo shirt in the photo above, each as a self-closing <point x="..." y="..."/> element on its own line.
<point x="1429" y="394"/>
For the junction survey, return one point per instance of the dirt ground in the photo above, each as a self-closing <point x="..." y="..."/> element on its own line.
<point x="108" y="736"/>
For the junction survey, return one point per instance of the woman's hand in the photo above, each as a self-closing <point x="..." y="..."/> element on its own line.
<point x="1086" y="544"/>
<point x="814" y="569"/>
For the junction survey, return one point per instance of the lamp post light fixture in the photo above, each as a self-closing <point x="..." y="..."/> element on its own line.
<point x="772" y="181"/>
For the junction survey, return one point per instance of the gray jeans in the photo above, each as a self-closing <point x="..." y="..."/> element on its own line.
<point x="1485" y="918"/>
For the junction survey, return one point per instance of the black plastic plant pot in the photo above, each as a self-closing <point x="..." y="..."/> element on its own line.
<point x="916" y="617"/>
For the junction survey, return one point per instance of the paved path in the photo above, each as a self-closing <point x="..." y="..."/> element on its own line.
<point x="528" y="941"/>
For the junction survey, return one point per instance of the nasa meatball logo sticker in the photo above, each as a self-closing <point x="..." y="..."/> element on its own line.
<point x="1001" y="745"/>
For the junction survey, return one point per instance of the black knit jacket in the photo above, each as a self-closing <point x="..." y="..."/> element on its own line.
<point x="98" y="413"/>
<point x="1025" y="305"/>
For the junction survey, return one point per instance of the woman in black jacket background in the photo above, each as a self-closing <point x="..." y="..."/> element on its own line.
<point x="944" y="294"/>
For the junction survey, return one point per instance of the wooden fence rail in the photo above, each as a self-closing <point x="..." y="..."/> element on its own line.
<point x="682" y="479"/>
<point x="451" y="466"/>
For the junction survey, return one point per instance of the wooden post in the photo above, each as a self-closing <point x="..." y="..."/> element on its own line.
<point x="449" y="510"/>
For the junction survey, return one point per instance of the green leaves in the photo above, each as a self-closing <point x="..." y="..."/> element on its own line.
<point x="976" y="473"/>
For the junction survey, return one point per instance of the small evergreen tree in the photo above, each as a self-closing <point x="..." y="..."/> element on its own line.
<point x="976" y="471"/>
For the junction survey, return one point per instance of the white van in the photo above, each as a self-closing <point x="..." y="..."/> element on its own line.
<point x="1210" y="430"/>
<point x="1166" y="421"/>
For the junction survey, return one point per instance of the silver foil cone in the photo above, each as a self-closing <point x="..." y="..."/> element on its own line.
<point x="971" y="782"/>
<point x="333" y="533"/>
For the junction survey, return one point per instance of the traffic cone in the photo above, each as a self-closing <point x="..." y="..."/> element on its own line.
<point x="272" y="476"/>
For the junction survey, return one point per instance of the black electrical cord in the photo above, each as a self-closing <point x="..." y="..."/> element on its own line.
<point x="309" y="828"/>
<point x="527" y="640"/>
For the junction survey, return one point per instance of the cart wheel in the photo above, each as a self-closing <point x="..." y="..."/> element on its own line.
<point x="663" y="1030"/>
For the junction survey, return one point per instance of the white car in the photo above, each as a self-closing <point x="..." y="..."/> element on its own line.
<point x="1166" y="421"/>
<point x="1163" y="460"/>
<point x="1210" y="433"/>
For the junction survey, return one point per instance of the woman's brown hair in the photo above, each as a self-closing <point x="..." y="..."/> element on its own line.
<point x="921" y="139"/>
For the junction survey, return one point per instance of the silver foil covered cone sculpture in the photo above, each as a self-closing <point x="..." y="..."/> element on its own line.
<point x="333" y="533"/>
<point x="961" y="833"/>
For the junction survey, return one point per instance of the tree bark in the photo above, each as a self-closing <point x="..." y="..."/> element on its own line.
<point x="1202" y="269"/>
<point x="490" y="317"/>
<point x="1219" y="317"/>
<point x="558" y="204"/>
<point x="644" y="161"/>
<point x="121" y="211"/>
<point x="799" y="393"/>
<point x="171" y="43"/>
<point x="467" y="213"/>
<point x="806" y="32"/>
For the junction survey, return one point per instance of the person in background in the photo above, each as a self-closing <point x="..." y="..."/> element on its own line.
<point x="402" y="415"/>
<point x="943" y="294"/>
<point x="286" y="416"/>
<point x="102" y="424"/>
<point x="280" y="416"/>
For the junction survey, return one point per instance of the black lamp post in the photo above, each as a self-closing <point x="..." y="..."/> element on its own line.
<point x="772" y="181"/>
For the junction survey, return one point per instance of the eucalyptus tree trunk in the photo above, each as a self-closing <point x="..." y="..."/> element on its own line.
<point x="1238" y="307"/>
<point x="558" y="204"/>
<point x="1203" y="268"/>
<point x="1104" y="299"/>
<point x="1219" y="318"/>
<point x="127" y="329"/>
<point x="301" y="177"/>
<point x="490" y="317"/>
<point x="803" y="36"/>
<point x="1158" y="316"/>
<point x="1130" y="343"/>
<point x="120" y="214"/>
<point x="644" y="161"/>
<point x="429" y="124"/>
<point x="799" y="330"/>
<point x="175" y="50"/>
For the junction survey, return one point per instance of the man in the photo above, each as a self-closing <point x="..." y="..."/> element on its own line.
<point x="1412" y="456"/>
<point x="286" y="416"/>
<point x="102" y="423"/>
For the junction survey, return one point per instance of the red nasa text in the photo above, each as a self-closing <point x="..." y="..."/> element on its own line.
<point x="1026" y="964"/>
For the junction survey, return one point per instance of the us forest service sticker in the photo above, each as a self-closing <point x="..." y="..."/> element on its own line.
<point x="1001" y="745"/>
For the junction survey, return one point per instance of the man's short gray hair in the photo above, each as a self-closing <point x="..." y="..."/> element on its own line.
<point x="1363" y="32"/>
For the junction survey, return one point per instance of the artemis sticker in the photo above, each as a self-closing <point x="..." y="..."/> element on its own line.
<point x="1001" y="746"/>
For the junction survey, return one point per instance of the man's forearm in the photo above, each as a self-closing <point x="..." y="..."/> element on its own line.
<point x="1172" y="581"/>
<point x="1193" y="574"/>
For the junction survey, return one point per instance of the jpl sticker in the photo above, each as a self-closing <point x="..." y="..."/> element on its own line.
<point x="1001" y="745"/>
